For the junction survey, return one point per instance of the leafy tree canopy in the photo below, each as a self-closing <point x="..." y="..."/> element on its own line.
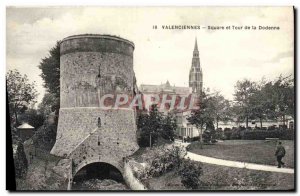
<point x="21" y="93"/>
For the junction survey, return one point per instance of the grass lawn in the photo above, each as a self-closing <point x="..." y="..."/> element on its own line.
<point x="252" y="151"/>
<point x="226" y="178"/>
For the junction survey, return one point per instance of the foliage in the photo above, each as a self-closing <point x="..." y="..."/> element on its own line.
<point x="227" y="133"/>
<point x="243" y="92"/>
<point x="190" y="174"/>
<point x="206" y="137"/>
<point x="32" y="117"/>
<point x="209" y="136"/>
<point x="44" y="137"/>
<point x="20" y="161"/>
<point x="154" y="125"/>
<point x="165" y="160"/>
<point x="236" y="133"/>
<point x="21" y="94"/>
<point x="220" y="107"/>
<point x="148" y="127"/>
<point x="203" y="116"/>
<point x="50" y="67"/>
<point x="264" y="100"/>
<point x="49" y="105"/>
<point x="168" y="127"/>
<point x="283" y="97"/>
<point x="282" y="134"/>
<point x="213" y="107"/>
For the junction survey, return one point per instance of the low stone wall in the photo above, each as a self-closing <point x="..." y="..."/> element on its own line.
<point x="130" y="179"/>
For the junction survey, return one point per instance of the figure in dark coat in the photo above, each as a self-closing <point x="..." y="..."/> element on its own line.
<point x="280" y="153"/>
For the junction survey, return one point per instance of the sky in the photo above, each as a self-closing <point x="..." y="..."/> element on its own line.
<point x="226" y="56"/>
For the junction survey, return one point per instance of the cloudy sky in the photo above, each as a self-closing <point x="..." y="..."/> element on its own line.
<point x="226" y="55"/>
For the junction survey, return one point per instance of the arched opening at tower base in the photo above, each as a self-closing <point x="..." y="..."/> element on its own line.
<point x="98" y="176"/>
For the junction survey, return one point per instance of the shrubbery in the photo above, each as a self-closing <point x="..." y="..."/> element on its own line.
<point x="167" y="160"/>
<point x="283" y="134"/>
<point x="259" y="134"/>
<point x="45" y="136"/>
<point x="20" y="161"/>
<point x="190" y="174"/>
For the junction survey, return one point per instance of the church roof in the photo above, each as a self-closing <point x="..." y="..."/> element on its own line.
<point x="166" y="87"/>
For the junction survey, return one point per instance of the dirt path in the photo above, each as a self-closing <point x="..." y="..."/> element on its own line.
<point x="237" y="164"/>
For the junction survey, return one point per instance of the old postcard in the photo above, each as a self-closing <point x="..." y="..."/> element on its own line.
<point x="150" y="98"/>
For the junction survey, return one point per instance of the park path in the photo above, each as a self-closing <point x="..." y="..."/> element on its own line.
<point x="237" y="164"/>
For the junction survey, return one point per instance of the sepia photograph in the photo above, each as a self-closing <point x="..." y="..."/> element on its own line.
<point x="150" y="98"/>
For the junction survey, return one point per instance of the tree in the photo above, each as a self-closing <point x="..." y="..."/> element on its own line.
<point x="149" y="126"/>
<point x="220" y="108"/>
<point x="21" y="93"/>
<point x="203" y="116"/>
<point x="50" y="67"/>
<point x="261" y="102"/>
<point x="168" y="127"/>
<point x="154" y="125"/>
<point x="243" y="92"/>
<point x="265" y="100"/>
<point x="33" y="117"/>
<point x="283" y="93"/>
<point x="48" y="104"/>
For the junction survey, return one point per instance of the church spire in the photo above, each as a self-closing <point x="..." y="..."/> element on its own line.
<point x="196" y="52"/>
<point x="196" y="76"/>
<point x="196" y="45"/>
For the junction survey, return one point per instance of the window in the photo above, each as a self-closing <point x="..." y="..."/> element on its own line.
<point x="99" y="122"/>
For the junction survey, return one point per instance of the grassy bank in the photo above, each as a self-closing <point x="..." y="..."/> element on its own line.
<point x="226" y="178"/>
<point x="252" y="151"/>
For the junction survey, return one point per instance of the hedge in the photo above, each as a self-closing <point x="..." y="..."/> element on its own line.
<point x="283" y="134"/>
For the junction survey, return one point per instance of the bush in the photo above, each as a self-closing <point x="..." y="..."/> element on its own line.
<point x="283" y="134"/>
<point x="227" y="133"/>
<point x="166" y="160"/>
<point x="190" y="174"/>
<point x="45" y="136"/>
<point x="235" y="134"/>
<point x="206" y="136"/>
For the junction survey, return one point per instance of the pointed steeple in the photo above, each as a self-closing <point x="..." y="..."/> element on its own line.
<point x="196" y="75"/>
<point x="196" y="45"/>
<point x="196" y="52"/>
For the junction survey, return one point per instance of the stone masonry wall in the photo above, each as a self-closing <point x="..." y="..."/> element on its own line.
<point x="91" y="66"/>
<point x="79" y="133"/>
<point x="80" y="85"/>
<point x="94" y="65"/>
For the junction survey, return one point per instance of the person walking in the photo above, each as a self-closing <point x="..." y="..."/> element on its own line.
<point x="280" y="153"/>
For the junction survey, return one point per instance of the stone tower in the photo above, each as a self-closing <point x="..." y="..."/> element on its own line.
<point x="90" y="67"/>
<point x="196" y="77"/>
